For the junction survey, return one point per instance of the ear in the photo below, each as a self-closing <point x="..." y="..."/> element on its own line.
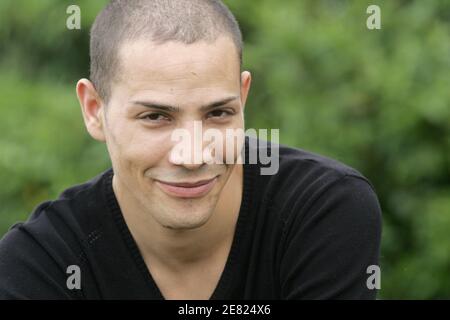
<point x="246" y="80"/>
<point x="92" y="108"/>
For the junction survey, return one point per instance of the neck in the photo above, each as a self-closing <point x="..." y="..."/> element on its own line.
<point x="178" y="248"/>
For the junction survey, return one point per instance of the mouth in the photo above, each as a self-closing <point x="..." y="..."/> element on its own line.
<point x="187" y="189"/>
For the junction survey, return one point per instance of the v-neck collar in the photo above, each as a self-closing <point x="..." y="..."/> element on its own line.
<point x="222" y="287"/>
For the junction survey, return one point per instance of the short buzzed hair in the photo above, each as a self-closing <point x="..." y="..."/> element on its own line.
<point x="186" y="21"/>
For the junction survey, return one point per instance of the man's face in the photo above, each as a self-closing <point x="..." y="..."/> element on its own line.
<point x="138" y="132"/>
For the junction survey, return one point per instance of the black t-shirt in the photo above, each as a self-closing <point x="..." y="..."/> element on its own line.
<point x="308" y="232"/>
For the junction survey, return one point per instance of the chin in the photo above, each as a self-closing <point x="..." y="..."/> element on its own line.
<point x="187" y="218"/>
<point x="186" y="225"/>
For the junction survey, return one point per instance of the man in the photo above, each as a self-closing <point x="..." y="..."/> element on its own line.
<point x="157" y="226"/>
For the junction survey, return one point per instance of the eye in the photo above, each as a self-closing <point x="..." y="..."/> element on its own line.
<point x="155" y="117"/>
<point x="219" y="113"/>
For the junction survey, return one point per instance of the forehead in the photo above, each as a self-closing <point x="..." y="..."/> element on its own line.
<point x="175" y="67"/>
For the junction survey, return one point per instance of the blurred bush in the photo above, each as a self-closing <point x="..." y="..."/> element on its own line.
<point x="378" y="100"/>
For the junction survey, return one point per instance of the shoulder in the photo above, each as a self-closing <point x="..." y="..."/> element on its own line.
<point x="35" y="254"/>
<point x="304" y="179"/>
<point x="326" y="226"/>
<point x="67" y="216"/>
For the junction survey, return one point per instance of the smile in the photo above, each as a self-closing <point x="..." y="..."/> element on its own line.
<point x="186" y="189"/>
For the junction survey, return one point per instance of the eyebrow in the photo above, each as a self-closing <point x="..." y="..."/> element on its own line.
<point x="168" y="108"/>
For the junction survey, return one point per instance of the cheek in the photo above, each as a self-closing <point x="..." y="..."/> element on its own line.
<point x="232" y="143"/>
<point x="233" y="147"/>
<point x="136" y="148"/>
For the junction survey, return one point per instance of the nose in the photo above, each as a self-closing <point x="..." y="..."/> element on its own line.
<point x="188" y="147"/>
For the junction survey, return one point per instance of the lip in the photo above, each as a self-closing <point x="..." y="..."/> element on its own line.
<point x="187" y="189"/>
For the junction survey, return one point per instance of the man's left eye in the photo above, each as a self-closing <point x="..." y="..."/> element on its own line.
<point x="219" y="114"/>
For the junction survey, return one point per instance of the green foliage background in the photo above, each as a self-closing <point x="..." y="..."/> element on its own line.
<point x="377" y="100"/>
